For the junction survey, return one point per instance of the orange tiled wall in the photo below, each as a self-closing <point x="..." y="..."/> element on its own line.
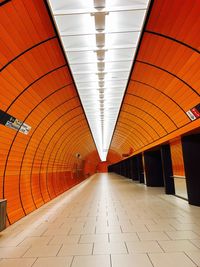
<point x="177" y="158"/>
<point x="36" y="87"/>
<point x="164" y="82"/>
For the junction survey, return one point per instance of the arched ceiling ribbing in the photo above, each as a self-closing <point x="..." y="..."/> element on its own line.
<point x="37" y="88"/>
<point x="164" y="83"/>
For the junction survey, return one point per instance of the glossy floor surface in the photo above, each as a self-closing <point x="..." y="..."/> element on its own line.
<point x="107" y="221"/>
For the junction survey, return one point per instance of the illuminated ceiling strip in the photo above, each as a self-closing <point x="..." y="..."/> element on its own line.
<point x="100" y="39"/>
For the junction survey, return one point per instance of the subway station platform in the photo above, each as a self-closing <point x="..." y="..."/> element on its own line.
<point x="106" y="221"/>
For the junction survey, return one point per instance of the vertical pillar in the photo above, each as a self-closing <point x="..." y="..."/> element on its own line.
<point x="134" y="169"/>
<point x="191" y="155"/>
<point x="153" y="168"/>
<point x="140" y="168"/>
<point x="127" y="168"/>
<point x="167" y="170"/>
<point x="123" y="168"/>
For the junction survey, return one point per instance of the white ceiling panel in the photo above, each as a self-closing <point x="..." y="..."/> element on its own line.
<point x="100" y="38"/>
<point x="120" y="54"/>
<point x="75" y="24"/>
<point x="81" y="57"/>
<point x="122" y="38"/>
<point x="125" y="20"/>
<point x="71" y="4"/>
<point x="84" y="67"/>
<point x="130" y="3"/>
<point x="81" y="41"/>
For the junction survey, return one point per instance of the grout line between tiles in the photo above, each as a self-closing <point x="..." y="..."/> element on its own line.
<point x="126" y="247"/>
<point x="150" y="259"/>
<point x="193" y="243"/>
<point x="79" y="239"/>
<point x="59" y="250"/>
<point x="110" y="261"/>
<point x="190" y="258"/>
<point x="108" y="238"/>
<point x="73" y="257"/>
<point x="34" y="262"/>
<point x="92" y="249"/>
<point x="167" y="235"/>
<point x="160" y="246"/>
<point x="22" y="256"/>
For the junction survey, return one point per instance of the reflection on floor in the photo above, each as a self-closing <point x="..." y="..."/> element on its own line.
<point x="107" y="221"/>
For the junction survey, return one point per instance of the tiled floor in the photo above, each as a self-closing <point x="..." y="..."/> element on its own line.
<point x="107" y="221"/>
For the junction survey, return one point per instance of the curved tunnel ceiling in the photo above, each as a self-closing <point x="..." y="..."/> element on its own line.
<point x="37" y="88"/>
<point x="164" y="83"/>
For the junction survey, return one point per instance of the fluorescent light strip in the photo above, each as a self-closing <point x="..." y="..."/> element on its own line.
<point x="100" y="39"/>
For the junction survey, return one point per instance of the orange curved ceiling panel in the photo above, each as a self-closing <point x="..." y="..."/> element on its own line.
<point x="164" y="83"/>
<point x="37" y="88"/>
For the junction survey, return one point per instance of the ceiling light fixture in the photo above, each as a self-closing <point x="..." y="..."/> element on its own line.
<point x="99" y="38"/>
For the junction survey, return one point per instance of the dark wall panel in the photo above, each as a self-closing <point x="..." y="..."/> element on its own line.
<point x="153" y="168"/>
<point x="191" y="156"/>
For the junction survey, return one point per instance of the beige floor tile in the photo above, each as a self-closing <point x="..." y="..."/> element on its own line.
<point x="101" y="224"/>
<point x="90" y="223"/>
<point x="102" y="220"/>
<point x="91" y="261"/>
<point x="134" y="260"/>
<point x="37" y="232"/>
<point x="123" y="237"/>
<point x="160" y="227"/>
<point x="134" y="228"/>
<point x="182" y="235"/>
<point x="42" y="251"/>
<point x="108" y="229"/>
<point x="67" y="227"/>
<point x="153" y="236"/>
<point x="62" y="220"/>
<point x="143" y="247"/>
<point x="11" y="242"/>
<point x="51" y="225"/>
<point x="111" y="217"/>
<point x="197" y="231"/>
<point x="53" y="262"/>
<point x="196" y="242"/>
<point x="33" y="241"/>
<point x="12" y="252"/>
<point x="109" y="248"/>
<point x="171" y="259"/>
<point x="75" y="249"/>
<point x="111" y="223"/>
<point x="178" y="245"/>
<point x="17" y="262"/>
<point x="185" y="226"/>
<point x="100" y="206"/>
<point x="94" y="238"/>
<point x="194" y="255"/>
<point x="61" y="232"/>
<point x="87" y="219"/>
<point x="78" y="230"/>
<point x="67" y="239"/>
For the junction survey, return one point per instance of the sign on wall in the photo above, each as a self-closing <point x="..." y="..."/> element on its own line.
<point x="194" y="113"/>
<point x="13" y="123"/>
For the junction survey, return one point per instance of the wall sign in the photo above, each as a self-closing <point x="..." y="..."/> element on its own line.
<point x="194" y="113"/>
<point x="13" y="123"/>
